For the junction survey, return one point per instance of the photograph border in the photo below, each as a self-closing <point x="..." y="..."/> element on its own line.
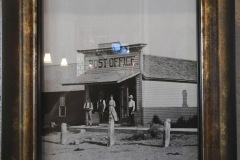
<point x="21" y="79"/>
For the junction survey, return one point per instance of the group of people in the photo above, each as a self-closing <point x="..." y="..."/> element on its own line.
<point x="102" y="106"/>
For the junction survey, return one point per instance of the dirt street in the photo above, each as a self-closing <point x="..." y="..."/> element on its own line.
<point x="93" y="146"/>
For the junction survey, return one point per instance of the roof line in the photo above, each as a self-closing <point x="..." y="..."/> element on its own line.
<point x="130" y="76"/>
<point x="88" y="83"/>
<point x="169" y="80"/>
<point x="110" y="48"/>
<point x="170" y="57"/>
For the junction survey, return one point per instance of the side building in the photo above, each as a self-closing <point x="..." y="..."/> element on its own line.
<point x="169" y="88"/>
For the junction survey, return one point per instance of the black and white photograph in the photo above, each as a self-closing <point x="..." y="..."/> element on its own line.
<point x="120" y="80"/>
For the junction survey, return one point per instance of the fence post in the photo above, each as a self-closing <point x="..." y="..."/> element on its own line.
<point x="167" y="127"/>
<point x="110" y="129"/>
<point x="63" y="133"/>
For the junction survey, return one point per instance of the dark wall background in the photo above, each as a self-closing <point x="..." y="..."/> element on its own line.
<point x="74" y="103"/>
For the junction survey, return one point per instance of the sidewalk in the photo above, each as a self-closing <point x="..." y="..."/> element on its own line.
<point x="128" y="129"/>
<point x="104" y="128"/>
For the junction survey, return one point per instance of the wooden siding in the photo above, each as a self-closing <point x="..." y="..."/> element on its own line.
<point x="168" y="112"/>
<point x="168" y="94"/>
<point x="138" y="92"/>
<point x="138" y="114"/>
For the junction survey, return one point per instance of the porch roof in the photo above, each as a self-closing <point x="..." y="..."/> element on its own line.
<point x="114" y="76"/>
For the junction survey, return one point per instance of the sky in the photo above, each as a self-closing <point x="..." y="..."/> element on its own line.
<point x="168" y="27"/>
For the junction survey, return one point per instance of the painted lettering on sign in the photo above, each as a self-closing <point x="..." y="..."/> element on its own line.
<point x="109" y="62"/>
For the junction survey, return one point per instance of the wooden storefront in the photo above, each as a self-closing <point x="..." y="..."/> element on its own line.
<point x="116" y="74"/>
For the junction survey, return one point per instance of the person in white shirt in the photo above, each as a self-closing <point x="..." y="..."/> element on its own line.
<point x="101" y="105"/>
<point x="131" y="107"/>
<point x="88" y="107"/>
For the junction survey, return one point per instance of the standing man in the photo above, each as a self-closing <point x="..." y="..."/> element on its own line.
<point x="88" y="107"/>
<point x="101" y="105"/>
<point x="131" y="106"/>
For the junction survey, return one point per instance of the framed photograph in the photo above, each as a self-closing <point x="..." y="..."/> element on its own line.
<point x="119" y="80"/>
<point x="135" y="61"/>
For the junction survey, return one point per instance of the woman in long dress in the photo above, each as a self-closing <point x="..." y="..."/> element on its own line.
<point x="112" y="111"/>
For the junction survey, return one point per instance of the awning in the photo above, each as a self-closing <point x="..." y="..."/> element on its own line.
<point x="103" y="77"/>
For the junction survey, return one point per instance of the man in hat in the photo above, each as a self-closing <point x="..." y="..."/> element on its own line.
<point x="101" y="105"/>
<point x="88" y="107"/>
<point x="131" y="107"/>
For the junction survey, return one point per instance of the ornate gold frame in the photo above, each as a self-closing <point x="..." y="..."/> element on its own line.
<point x="21" y="80"/>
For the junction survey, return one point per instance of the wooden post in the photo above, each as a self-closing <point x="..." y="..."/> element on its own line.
<point x="63" y="133"/>
<point x="110" y="129"/>
<point x="167" y="127"/>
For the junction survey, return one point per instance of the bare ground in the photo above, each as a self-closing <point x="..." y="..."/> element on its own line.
<point x="93" y="146"/>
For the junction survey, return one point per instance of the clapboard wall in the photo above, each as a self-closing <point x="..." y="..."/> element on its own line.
<point x="165" y="99"/>
<point x="138" y="114"/>
<point x="168" y="94"/>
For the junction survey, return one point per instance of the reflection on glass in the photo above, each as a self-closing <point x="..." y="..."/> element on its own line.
<point x="47" y="58"/>
<point x="64" y="62"/>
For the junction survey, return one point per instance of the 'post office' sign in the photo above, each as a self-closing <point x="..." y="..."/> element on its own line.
<point x="112" y="61"/>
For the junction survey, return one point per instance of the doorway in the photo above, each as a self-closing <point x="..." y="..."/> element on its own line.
<point x="120" y="92"/>
<point x="105" y="90"/>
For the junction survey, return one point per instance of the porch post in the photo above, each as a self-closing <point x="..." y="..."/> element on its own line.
<point x="110" y="130"/>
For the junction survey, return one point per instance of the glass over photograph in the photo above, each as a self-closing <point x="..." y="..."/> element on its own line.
<point x="119" y="80"/>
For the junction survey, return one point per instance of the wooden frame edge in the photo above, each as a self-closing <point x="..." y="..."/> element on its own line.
<point x="19" y="79"/>
<point x="218" y="96"/>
